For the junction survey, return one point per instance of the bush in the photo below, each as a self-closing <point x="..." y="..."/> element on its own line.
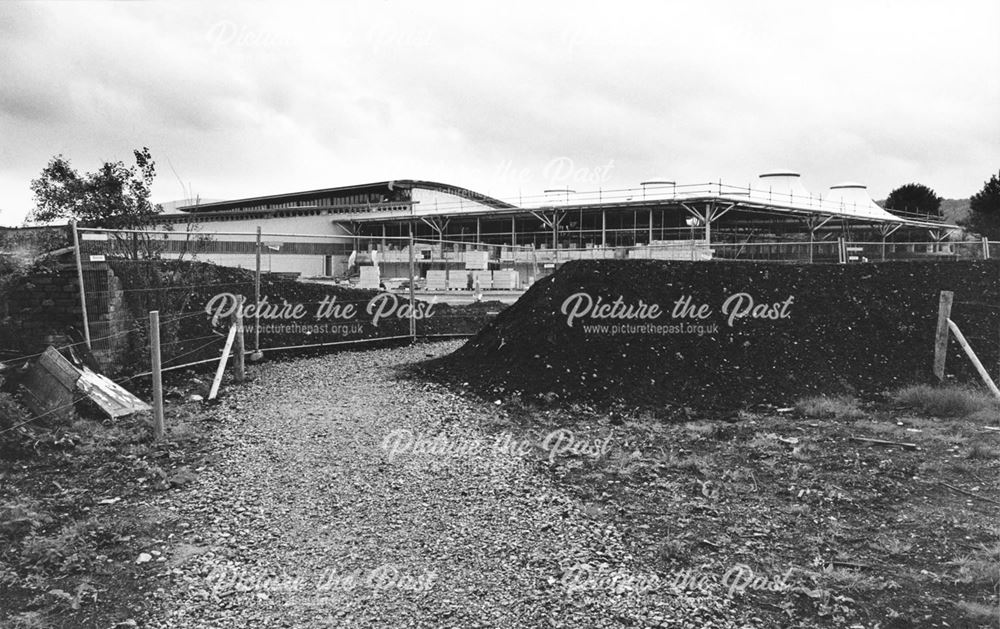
<point x="946" y="401"/>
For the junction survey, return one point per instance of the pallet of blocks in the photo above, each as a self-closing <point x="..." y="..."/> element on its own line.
<point x="369" y="277"/>
<point x="458" y="280"/>
<point x="507" y="279"/>
<point x="437" y="280"/>
<point x="477" y="260"/>
<point x="484" y="278"/>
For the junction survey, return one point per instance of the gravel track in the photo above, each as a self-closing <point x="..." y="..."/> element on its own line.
<point x="302" y="494"/>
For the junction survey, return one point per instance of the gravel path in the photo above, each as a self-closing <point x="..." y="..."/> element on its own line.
<point x="306" y="520"/>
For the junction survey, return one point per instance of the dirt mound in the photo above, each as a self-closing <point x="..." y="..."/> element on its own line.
<point x="724" y="334"/>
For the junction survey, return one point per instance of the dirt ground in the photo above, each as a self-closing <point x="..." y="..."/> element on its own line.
<point x="348" y="491"/>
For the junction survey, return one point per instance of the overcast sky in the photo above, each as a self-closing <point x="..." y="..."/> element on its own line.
<point x="244" y="99"/>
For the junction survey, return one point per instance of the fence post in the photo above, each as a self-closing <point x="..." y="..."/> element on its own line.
<point x="256" y="302"/>
<point x="413" y="320"/>
<point x="83" y="290"/>
<point x="154" y="356"/>
<point x="842" y="250"/>
<point x="941" y="338"/>
<point x="986" y="248"/>
<point x="239" y="361"/>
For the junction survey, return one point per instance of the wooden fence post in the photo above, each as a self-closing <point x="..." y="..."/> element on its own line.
<point x="239" y="353"/>
<point x="941" y="338"/>
<point x="83" y="290"/>
<point x="154" y="355"/>
<point x="413" y="276"/>
<point x="256" y="301"/>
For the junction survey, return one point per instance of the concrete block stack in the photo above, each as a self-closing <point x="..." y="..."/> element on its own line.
<point x="485" y="279"/>
<point x="369" y="277"/>
<point x="437" y="280"/>
<point x="506" y="279"/>
<point x="458" y="280"/>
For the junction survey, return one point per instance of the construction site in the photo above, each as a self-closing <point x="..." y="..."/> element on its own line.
<point x="699" y="407"/>
<point x="334" y="233"/>
<point x="470" y="315"/>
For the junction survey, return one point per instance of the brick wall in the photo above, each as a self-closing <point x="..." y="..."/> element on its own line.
<point x="38" y="308"/>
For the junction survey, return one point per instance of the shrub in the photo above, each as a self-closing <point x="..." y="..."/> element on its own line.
<point x="21" y="516"/>
<point x="946" y="401"/>
<point x="11" y="413"/>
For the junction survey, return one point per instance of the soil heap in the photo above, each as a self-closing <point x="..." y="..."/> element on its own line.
<point x="727" y="334"/>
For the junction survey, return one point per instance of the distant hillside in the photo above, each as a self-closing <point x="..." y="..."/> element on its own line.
<point x="953" y="210"/>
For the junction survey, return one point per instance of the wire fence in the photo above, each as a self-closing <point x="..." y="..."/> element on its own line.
<point x="313" y="290"/>
<point x="304" y="291"/>
<point x="292" y="291"/>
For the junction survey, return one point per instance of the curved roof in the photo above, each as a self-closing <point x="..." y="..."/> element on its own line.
<point x="390" y="190"/>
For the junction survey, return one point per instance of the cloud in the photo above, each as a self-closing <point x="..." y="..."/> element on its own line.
<point x="255" y="98"/>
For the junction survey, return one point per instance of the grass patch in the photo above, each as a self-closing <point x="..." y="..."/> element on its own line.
<point x="981" y="567"/>
<point x="950" y="401"/>
<point x="672" y="551"/>
<point x="983" y="452"/>
<point x="696" y="464"/>
<point x="892" y="545"/>
<point x="827" y="407"/>
<point x="979" y="614"/>
<point x="854" y="581"/>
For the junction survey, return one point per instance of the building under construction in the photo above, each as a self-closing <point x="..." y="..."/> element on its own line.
<point x="327" y="232"/>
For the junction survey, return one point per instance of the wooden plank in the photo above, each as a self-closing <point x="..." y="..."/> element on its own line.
<point x="50" y="386"/>
<point x="883" y="442"/>
<point x="109" y="396"/>
<point x="59" y="368"/>
<point x="975" y="359"/>
<point x="941" y="338"/>
<point x="222" y="363"/>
